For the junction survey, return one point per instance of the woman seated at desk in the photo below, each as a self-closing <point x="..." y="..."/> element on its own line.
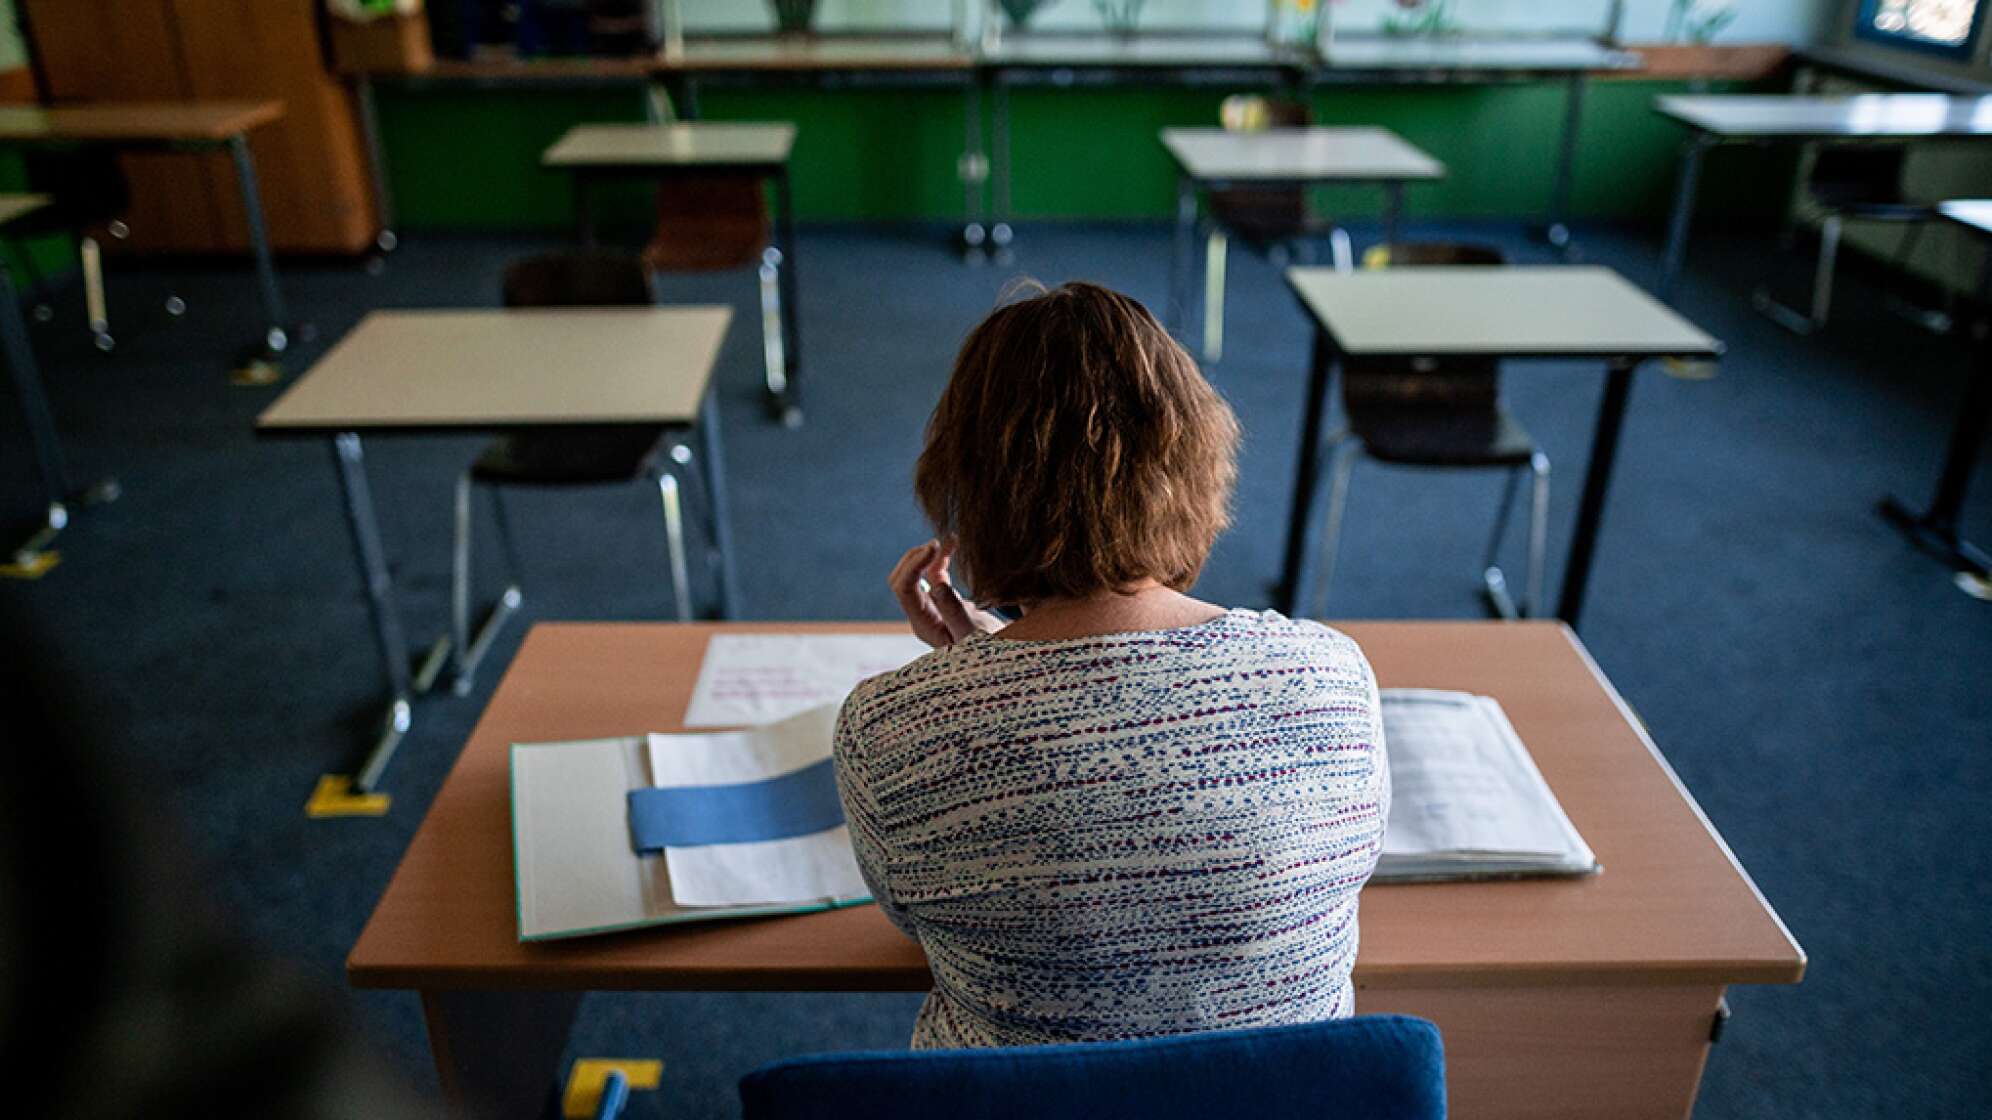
<point x="1129" y="812"/>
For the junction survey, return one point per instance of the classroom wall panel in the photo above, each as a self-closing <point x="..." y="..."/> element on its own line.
<point x="1078" y="153"/>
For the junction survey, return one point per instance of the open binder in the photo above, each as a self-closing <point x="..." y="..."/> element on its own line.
<point x="578" y="863"/>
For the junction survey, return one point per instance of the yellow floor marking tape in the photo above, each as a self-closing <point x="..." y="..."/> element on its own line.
<point x="35" y="567"/>
<point x="334" y="797"/>
<point x="585" y="1081"/>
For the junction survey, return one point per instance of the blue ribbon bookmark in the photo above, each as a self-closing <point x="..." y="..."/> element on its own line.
<point x="795" y="804"/>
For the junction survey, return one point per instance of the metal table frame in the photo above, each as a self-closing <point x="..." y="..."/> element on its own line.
<point x="784" y="395"/>
<point x="1327" y="358"/>
<point x="51" y="465"/>
<point x="1701" y="140"/>
<point x="1935" y="529"/>
<point x="410" y="675"/>
<point x="276" y="317"/>
<point x="1192" y="190"/>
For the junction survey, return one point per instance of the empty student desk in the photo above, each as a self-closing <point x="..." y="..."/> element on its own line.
<point x="1406" y="59"/>
<point x="1936" y="528"/>
<point x="594" y="152"/>
<point x="1558" y="998"/>
<point x="171" y="126"/>
<point x="417" y="372"/>
<point x="1875" y="118"/>
<point x="1496" y="313"/>
<point x="1210" y="159"/>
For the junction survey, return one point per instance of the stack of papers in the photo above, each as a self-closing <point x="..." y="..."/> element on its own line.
<point x="1466" y="799"/>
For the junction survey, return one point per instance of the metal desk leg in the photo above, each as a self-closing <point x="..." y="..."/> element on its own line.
<point x="1935" y="530"/>
<point x="1182" y="259"/>
<point x="999" y="146"/>
<point x="1683" y="215"/>
<point x="787" y="405"/>
<point x="275" y="337"/>
<point x="1597" y="482"/>
<point x="376" y="163"/>
<point x="1556" y="229"/>
<point x="498" y="1053"/>
<point x="1393" y="211"/>
<point x="1307" y="479"/>
<point x="972" y="168"/>
<point x="41" y="428"/>
<point x="379" y="586"/>
<point x="713" y="453"/>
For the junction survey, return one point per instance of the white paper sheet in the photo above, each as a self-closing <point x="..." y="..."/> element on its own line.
<point x="1464" y="786"/>
<point x="749" y="679"/>
<point x="812" y="868"/>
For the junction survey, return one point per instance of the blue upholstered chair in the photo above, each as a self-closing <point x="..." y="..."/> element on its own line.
<point x="1376" y="1067"/>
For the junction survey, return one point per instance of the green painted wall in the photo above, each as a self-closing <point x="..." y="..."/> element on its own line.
<point x="468" y="159"/>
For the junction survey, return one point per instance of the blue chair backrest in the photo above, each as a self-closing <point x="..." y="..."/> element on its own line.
<point x="1374" y="1067"/>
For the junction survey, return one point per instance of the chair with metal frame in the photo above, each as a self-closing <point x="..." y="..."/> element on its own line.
<point x="1429" y="412"/>
<point x="1854" y="183"/>
<point x="716" y="222"/>
<point x="1274" y="221"/>
<point x="87" y="189"/>
<point x="563" y="457"/>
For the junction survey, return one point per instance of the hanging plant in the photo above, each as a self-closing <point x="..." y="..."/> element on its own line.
<point x="1120" y="16"/>
<point x="793" y="17"/>
<point x="1021" y="11"/>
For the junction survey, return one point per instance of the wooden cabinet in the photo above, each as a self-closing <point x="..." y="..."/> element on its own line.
<point x="312" y="163"/>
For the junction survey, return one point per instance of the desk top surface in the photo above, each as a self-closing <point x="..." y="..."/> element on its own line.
<point x="1545" y="311"/>
<point x="1852" y="116"/>
<point x="1299" y="155"/>
<point x="817" y="52"/>
<point x="1671" y="906"/>
<point x="673" y="145"/>
<point x="153" y="121"/>
<point x="489" y="368"/>
<point x="16" y="206"/>
<point x="1545" y="55"/>
<point x="1975" y="213"/>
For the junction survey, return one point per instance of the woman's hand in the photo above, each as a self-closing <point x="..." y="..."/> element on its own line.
<point x="940" y="616"/>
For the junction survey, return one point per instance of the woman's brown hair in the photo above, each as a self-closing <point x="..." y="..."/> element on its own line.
<point x="1077" y="449"/>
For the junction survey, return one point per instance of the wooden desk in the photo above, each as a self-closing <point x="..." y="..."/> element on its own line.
<point x="1567" y="998"/>
<point x="774" y="54"/>
<point x="1935" y="529"/>
<point x="596" y="152"/>
<point x="453" y="371"/>
<point x="174" y="126"/>
<point x="1210" y="159"/>
<point x="1871" y="118"/>
<point x="1557" y="311"/>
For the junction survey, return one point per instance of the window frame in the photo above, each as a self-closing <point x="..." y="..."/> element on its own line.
<point x="1865" y="31"/>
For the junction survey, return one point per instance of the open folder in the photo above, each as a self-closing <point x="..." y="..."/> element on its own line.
<point x="1466" y="798"/>
<point x="615" y="834"/>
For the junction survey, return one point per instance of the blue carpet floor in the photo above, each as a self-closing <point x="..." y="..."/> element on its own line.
<point x="1819" y="685"/>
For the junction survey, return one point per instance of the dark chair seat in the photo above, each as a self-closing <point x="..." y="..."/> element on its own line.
<point x="578" y="456"/>
<point x="708" y="223"/>
<point x="1426" y="437"/>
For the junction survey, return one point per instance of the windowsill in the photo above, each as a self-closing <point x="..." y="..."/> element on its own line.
<point x="1895" y="68"/>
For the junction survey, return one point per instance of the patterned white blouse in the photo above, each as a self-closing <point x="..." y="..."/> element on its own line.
<point x="1112" y="837"/>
